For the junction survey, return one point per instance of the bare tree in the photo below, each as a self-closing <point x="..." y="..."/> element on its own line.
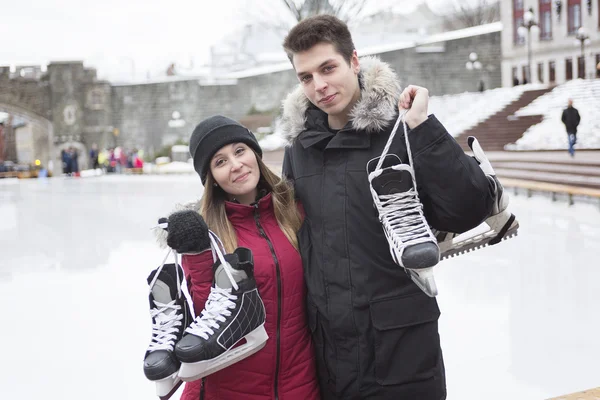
<point x="346" y="10"/>
<point x="467" y="13"/>
<point x="263" y="12"/>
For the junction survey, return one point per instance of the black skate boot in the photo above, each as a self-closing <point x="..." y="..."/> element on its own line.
<point x="234" y="311"/>
<point x="170" y="317"/>
<point x="410" y="239"/>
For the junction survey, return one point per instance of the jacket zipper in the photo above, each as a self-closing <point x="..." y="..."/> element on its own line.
<point x="278" y="274"/>
<point x="202" y="383"/>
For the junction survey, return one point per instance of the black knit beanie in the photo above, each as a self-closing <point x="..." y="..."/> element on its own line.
<point x="212" y="134"/>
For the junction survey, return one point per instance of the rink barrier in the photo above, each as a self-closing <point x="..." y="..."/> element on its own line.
<point x="591" y="394"/>
<point x="553" y="188"/>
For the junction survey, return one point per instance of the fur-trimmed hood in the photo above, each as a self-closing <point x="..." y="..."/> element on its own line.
<point x="374" y="111"/>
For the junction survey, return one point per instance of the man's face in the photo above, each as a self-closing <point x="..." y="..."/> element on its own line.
<point x="327" y="79"/>
<point x="570" y="103"/>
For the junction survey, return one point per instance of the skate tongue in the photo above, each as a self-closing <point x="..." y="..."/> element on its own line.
<point x="222" y="280"/>
<point x="162" y="293"/>
<point x="392" y="181"/>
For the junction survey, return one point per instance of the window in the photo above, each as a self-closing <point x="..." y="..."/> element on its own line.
<point x="552" y="71"/>
<point x="569" y="68"/>
<point x="541" y="72"/>
<point x="581" y="67"/>
<point x="518" y="13"/>
<point x="574" y="15"/>
<point x="515" y="77"/>
<point x="545" y="20"/>
<point x="525" y="74"/>
<point x="546" y="28"/>
<point x="95" y="99"/>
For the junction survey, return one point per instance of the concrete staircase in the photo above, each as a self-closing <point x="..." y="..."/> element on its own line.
<point x="502" y="127"/>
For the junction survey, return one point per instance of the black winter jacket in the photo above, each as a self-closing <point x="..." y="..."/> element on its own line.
<point x="570" y="117"/>
<point x="376" y="332"/>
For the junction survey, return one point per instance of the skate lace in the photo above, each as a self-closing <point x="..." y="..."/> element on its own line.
<point x="165" y="325"/>
<point x="217" y="309"/>
<point x="401" y="213"/>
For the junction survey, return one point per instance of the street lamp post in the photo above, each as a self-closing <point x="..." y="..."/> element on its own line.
<point x="529" y="24"/>
<point x="581" y="39"/>
<point x="474" y="65"/>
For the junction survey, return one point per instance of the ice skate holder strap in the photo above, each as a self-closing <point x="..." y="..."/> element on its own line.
<point x="401" y="118"/>
<point x="218" y="249"/>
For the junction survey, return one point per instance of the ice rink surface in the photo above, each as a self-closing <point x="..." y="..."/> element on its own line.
<point x="519" y="320"/>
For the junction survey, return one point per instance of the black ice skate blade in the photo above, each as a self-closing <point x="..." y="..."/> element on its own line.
<point x="512" y="232"/>
<point x="172" y="392"/>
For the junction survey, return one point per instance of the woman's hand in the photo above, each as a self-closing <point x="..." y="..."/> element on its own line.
<point x="187" y="232"/>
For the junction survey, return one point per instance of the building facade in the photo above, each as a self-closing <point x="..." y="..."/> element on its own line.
<point x="550" y="52"/>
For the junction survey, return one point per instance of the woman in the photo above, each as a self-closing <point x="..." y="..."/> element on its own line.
<point x="247" y="205"/>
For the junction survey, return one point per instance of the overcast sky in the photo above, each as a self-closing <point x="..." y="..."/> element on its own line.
<point x="121" y="37"/>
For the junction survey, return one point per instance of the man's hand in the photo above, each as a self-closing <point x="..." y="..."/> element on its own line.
<point x="415" y="99"/>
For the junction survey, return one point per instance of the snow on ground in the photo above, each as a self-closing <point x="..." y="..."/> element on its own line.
<point x="517" y="319"/>
<point x="460" y="112"/>
<point x="551" y="133"/>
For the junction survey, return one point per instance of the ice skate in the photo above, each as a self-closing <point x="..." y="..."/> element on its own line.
<point x="394" y="191"/>
<point x="234" y="311"/>
<point x="171" y="315"/>
<point x="501" y="225"/>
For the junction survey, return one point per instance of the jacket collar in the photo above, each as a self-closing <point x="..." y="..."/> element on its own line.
<point x="237" y="212"/>
<point x="320" y="136"/>
<point x="376" y="109"/>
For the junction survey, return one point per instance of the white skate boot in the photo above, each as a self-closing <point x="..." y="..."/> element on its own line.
<point x="234" y="311"/>
<point x="394" y="191"/>
<point x="500" y="225"/>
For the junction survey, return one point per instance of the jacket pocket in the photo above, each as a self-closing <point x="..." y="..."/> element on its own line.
<point x="407" y="343"/>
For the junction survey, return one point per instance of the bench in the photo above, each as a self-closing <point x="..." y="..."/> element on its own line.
<point x="553" y="188"/>
<point x="9" y="174"/>
<point x="134" y="171"/>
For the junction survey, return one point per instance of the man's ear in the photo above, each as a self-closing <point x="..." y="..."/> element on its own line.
<point x="355" y="63"/>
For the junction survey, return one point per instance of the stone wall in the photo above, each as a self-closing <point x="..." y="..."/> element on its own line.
<point x="144" y="113"/>
<point x="440" y="67"/>
<point x="30" y="94"/>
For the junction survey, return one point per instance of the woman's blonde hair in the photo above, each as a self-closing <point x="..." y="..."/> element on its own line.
<point x="286" y="211"/>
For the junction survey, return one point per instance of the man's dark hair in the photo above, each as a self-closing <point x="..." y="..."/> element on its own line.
<point x="319" y="29"/>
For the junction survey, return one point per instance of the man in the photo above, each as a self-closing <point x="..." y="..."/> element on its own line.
<point x="571" y="119"/>
<point x="375" y="332"/>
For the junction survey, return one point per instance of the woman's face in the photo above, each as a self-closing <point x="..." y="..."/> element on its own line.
<point x="235" y="169"/>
